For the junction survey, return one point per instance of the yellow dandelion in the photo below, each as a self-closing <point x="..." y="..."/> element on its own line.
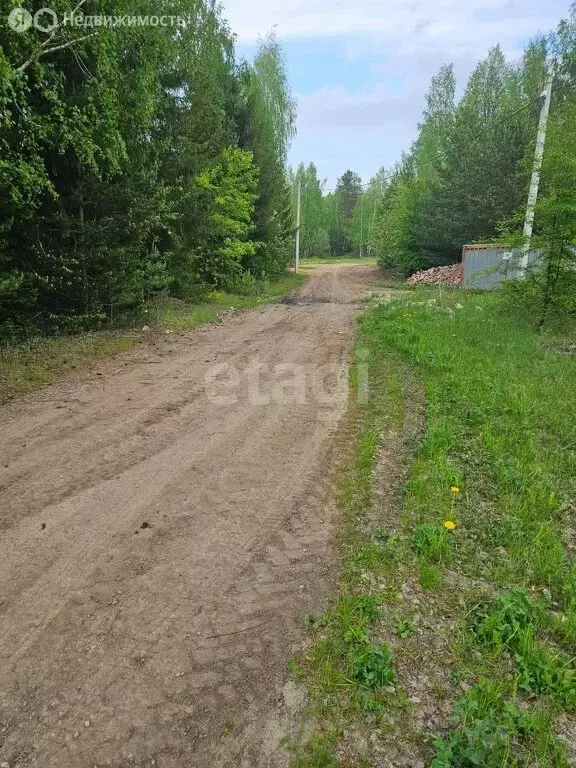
<point x="455" y="489"/>
<point x="449" y="525"/>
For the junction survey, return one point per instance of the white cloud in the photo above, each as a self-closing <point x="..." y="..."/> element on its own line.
<point x="442" y="20"/>
<point x="333" y="108"/>
<point x="400" y="44"/>
<point x="362" y="131"/>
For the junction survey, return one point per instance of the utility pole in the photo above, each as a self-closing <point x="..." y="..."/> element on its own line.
<point x="535" y="180"/>
<point x="361" y="223"/>
<point x="297" y="261"/>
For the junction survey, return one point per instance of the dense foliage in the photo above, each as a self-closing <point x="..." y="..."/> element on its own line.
<point x="136" y="160"/>
<point x="339" y="222"/>
<point x="466" y="171"/>
<point x="465" y="178"/>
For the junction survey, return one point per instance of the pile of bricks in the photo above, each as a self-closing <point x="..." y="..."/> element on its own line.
<point x="451" y="275"/>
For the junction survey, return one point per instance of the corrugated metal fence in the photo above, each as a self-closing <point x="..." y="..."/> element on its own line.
<point x="484" y="266"/>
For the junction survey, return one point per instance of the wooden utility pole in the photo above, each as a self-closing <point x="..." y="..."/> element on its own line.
<point x="535" y="180"/>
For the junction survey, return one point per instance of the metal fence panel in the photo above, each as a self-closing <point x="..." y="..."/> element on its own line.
<point x="485" y="266"/>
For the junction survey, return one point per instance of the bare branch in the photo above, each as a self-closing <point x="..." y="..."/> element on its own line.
<point x="53" y="32"/>
<point x="51" y="36"/>
<point x="38" y="54"/>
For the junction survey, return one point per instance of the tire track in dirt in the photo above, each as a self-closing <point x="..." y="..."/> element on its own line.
<point x="150" y="621"/>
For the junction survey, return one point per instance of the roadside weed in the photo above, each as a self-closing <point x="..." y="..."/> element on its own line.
<point x="316" y="753"/>
<point x="404" y="627"/>
<point x="491" y="730"/>
<point x="500" y="622"/>
<point x="366" y="607"/>
<point x="430" y="576"/>
<point x="541" y="670"/>
<point x="372" y="666"/>
<point x="431" y="541"/>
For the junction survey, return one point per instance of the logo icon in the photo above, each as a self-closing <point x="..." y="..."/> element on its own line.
<point x="45" y="20"/>
<point x="19" y="19"/>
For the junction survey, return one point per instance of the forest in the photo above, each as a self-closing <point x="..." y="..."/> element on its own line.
<point x="137" y="161"/>
<point x="146" y="161"/>
<point x="465" y="178"/>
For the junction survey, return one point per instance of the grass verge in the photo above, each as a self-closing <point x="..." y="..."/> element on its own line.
<point x="467" y="580"/>
<point x="44" y="360"/>
<point x="28" y="367"/>
<point x="183" y="317"/>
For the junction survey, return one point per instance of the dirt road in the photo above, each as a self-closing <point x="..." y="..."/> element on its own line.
<point x="163" y="537"/>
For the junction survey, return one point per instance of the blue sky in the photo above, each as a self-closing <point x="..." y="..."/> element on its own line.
<point x="360" y="69"/>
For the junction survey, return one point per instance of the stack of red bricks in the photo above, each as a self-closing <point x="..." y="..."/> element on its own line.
<point x="450" y="275"/>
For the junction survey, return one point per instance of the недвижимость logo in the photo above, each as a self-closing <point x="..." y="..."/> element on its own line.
<point x="19" y="19"/>
<point x="46" y="20"/>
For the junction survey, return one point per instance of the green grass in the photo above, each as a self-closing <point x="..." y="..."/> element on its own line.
<point x="316" y="753"/>
<point x="485" y="528"/>
<point x="501" y="430"/>
<point x="42" y="361"/>
<point x="185" y="317"/>
<point x="498" y="460"/>
<point x="349" y="671"/>
<point x="493" y="731"/>
<point x="45" y="360"/>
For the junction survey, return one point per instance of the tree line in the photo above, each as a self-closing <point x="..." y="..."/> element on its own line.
<point x="466" y="171"/>
<point x="137" y="160"/>
<point x="465" y="178"/>
<point x="338" y="222"/>
<point x="463" y="174"/>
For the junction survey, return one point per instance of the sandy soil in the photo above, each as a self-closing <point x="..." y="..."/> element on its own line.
<point x="163" y="537"/>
